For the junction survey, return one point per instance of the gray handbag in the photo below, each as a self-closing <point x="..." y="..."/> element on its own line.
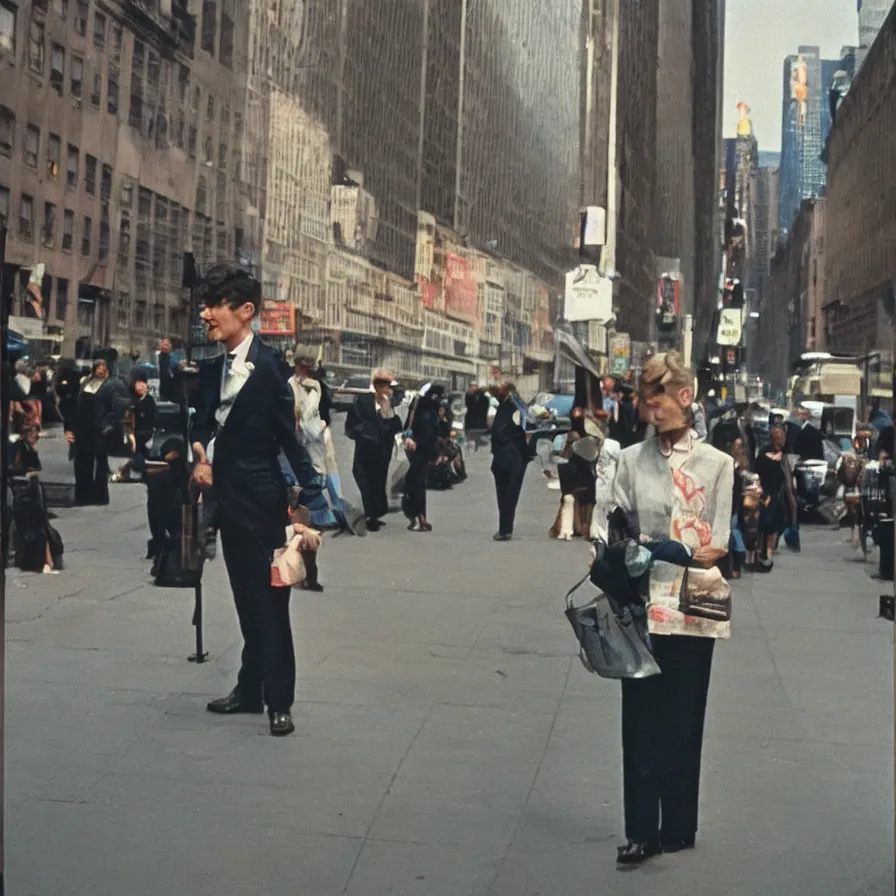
<point x="613" y="641"/>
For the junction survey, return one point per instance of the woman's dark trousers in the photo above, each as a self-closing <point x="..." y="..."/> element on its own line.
<point x="662" y="740"/>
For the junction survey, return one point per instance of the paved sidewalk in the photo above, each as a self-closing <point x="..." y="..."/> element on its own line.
<point x="449" y="744"/>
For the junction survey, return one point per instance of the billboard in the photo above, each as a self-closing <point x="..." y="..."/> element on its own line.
<point x="799" y="88"/>
<point x="668" y="300"/>
<point x="461" y="290"/>
<point x="620" y="353"/>
<point x="730" y="326"/>
<point x="277" y="319"/>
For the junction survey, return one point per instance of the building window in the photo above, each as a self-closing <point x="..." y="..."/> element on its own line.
<point x="96" y="95"/>
<point x="26" y="217"/>
<point x="210" y="108"/>
<point x="104" y="235"/>
<point x="140" y="314"/>
<point x="4" y="205"/>
<point x="54" y="155"/>
<point x="222" y="155"/>
<point x="57" y="68"/>
<point x="209" y="152"/>
<point x="158" y="318"/>
<point x="86" y="235"/>
<point x="192" y="142"/>
<point x="81" y="9"/>
<point x="71" y="167"/>
<point x="201" y="194"/>
<point x="48" y="232"/>
<point x="7" y="130"/>
<point x="7" y="26"/>
<point x="209" y="25"/>
<point x="127" y="193"/>
<point x="183" y="81"/>
<point x="90" y="175"/>
<point x="116" y="41"/>
<point x="86" y="311"/>
<point x="68" y="231"/>
<point x="112" y="91"/>
<point x="76" y="82"/>
<point x="61" y="298"/>
<point x="106" y="184"/>
<point x="124" y="311"/>
<point x="124" y="239"/>
<point x="32" y="146"/>
<point x="36" y="45"/>
<point x="226" y="52"/>
<point x="99" y="31"/>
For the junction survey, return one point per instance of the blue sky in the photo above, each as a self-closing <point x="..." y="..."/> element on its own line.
<point x="759" y="34"/>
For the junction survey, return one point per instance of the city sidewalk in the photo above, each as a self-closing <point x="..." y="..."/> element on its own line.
<point x="449" y="743"/>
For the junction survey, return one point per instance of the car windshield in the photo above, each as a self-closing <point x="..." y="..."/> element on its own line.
<point x="562" y="405"/>
<point x="357" y="382"/>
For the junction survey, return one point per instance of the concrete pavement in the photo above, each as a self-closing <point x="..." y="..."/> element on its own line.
<point x="449" y="743"/>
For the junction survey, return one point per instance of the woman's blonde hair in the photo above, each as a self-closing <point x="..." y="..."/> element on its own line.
<point x="664" y="372"/>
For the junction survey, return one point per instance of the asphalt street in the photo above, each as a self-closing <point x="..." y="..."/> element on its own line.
<point x="449" y="742"/>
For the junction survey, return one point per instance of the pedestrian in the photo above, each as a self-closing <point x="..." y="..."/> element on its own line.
<point x="809" y="443"/>
<point x="372" y="425"/>
<point x="672" y="488"/>
<point x="245" y="416"/>
<point x="422" y="444"/>
<point x="476" y="418"/>
<point x="510" y="456"/>
<point x="96" y="415"/>
<point x="779" y="507"/>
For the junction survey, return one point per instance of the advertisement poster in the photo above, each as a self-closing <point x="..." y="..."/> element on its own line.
<point x="668" y="300"/>
<point x="620" y="353"/>
<point x="277" y="319"/>
<point x="730" y="326"/>
<point x="461" y="290"/>
<point x="588" y="296"/>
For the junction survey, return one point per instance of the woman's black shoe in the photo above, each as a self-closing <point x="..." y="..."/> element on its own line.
<point x="635" y="853"/>
<point x="678" y="844"/>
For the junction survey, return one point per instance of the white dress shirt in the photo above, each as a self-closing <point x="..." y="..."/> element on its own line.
<point x="235" y="373"/>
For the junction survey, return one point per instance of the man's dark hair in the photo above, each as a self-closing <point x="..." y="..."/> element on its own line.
<point x="231" y="285"/>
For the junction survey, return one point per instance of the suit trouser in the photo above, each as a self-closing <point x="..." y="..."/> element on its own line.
<point x="415" y="483"/>
<point x="662" y="740"/>
<point x="508" y="485"/>
<point x="268" y="670"/>
<point x="91" y="475"/>
<point x="371" y="472"/>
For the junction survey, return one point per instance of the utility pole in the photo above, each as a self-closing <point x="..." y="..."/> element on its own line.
<point x="608" y="256"/>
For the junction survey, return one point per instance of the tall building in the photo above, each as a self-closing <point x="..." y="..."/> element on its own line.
<point x="117" y="134"/>
<point x="805" y="99"/>
<point x="872" y="15"/>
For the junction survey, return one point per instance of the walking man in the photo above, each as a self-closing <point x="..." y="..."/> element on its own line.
<point x="244" y="419"/>
<point x="510" y="455"/>
<point x="372" y="425"/>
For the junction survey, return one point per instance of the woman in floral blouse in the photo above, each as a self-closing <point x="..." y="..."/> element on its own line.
<point x="672" y="487"/>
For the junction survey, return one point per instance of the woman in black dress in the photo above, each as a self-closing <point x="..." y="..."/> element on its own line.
<point x="779" y="505"/>
<point x="422" y="446"/>
<point x="95" y="417"/>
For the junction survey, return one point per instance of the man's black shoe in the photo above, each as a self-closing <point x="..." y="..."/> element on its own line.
<point x="311" y="586"/>
<point x="374" y="525"/>
<point x="281" y="724"/>
<point x="499" y="536"/>
<point x="635" y="853"/>
<point x="235" y="703"/>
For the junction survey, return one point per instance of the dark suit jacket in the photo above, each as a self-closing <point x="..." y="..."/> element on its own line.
<point x="809" y="443"/>
<point x="365" y="428"/>
<point x="249" y="489"/>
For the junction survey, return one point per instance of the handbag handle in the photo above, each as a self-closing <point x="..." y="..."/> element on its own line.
<point x="575" y="588"/>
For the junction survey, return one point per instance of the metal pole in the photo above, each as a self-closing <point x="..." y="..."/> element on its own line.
<point x="687" y="339"/>
<point x="4" y="467"/>
<point x="608" y="257"/>
<point x="460" y="114"/>
<point x="421" y="142"/>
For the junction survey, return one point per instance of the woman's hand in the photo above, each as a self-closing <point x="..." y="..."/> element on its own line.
<point x="410" y="445"/>
<point x="707" y="556"/>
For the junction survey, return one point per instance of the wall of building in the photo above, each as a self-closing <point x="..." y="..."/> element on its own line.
<point x="861" y="205"/>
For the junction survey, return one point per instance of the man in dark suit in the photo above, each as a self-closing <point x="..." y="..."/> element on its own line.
<point x="809" y="442"/>
<point x="372" y="425"/>
<point x="244" y="419"/>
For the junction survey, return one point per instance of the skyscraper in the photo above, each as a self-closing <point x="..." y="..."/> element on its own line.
<point x="872" y="14"/>
<point x="804" y="122"/>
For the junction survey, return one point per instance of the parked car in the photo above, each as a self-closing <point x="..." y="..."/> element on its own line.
<point x="344" y="396"/>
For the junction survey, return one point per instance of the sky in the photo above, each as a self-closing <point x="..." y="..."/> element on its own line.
<point x="758" y="35"/>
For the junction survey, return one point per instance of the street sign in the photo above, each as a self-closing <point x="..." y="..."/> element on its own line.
<point x="588" y="296"/>
<point x="730" y="326"/>
<point x="620" y="353"/>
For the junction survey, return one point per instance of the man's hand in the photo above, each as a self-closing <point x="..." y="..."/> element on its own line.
<point x="708" y="556"/>
<point x="410" y="445"/>
<point x="69" y="437"/>
<point x="202" y="474"/>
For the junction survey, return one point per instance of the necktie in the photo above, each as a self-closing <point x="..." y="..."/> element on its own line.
<point x="228" y="364"/>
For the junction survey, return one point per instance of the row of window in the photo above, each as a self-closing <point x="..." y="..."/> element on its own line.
<point x="80" y="11"/>
<point x="46" y="232"/>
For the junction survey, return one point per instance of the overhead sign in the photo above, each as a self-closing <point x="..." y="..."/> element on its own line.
<point x="731" y="326"/>
<point x="620" y="353"/>
<point x="27" y="327"/>
<point x="588" y="295"/>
